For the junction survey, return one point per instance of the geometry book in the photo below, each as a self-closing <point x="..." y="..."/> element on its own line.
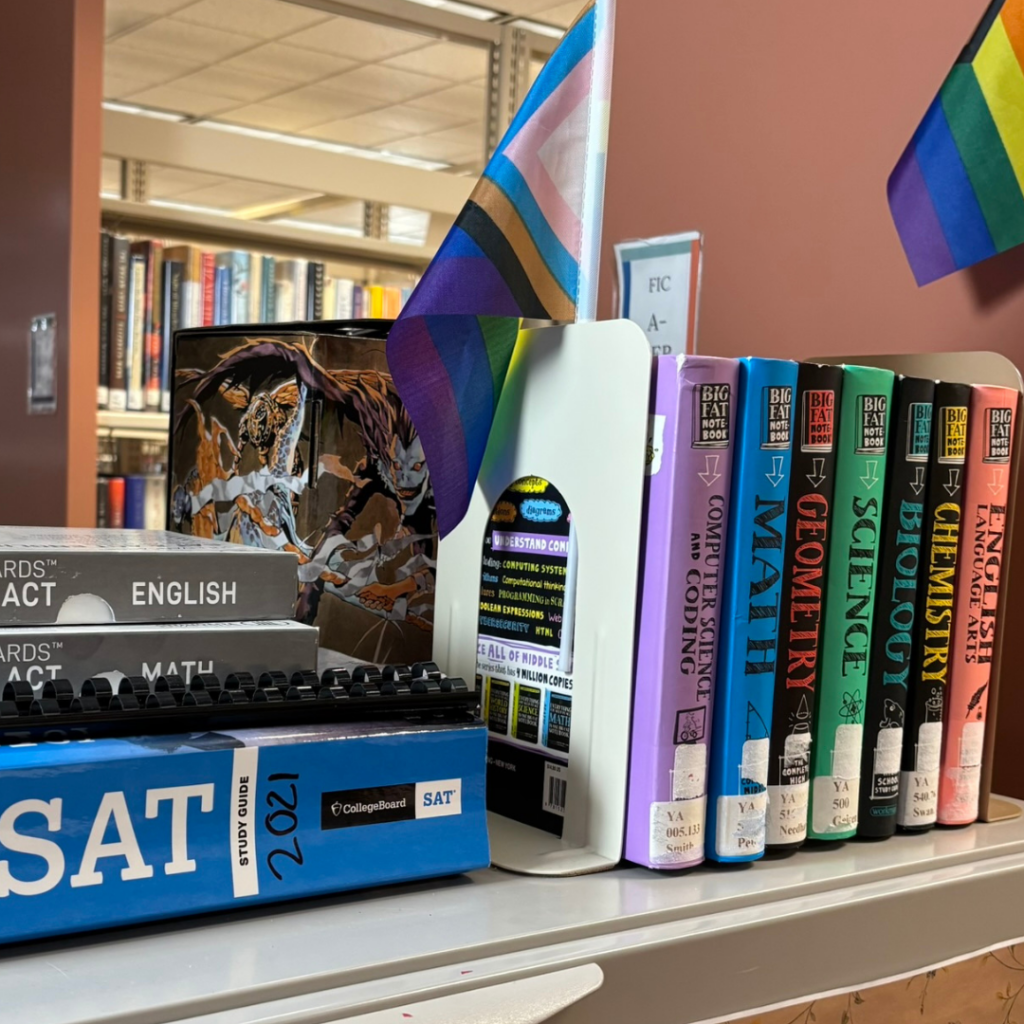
<point x="895" y="605"/>
<point x="802" y="608"/>
<point x="853" y="562"/>
<point x="929" y="673"/>
<point x="752" y="591"/>
<point x="689" y="463"/>
<point x="990" y="443"/>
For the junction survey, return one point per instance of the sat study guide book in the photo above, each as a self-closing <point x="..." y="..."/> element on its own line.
<point x="802" y="607"/>
<point x="752" y="589"/>
<point x="853" y="563"/>
<point x="896" y="605"/>
<point x="686" y="513"/>
<point x="116" y="831"/>
<point x="985" y="505"/>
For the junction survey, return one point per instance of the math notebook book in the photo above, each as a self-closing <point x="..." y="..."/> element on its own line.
<point x="853" y="563"/>
<point x="748" y="645"/>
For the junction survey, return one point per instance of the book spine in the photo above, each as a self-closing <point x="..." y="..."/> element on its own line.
<point x="172" y="322"/>
<point x="358" y="304"/>
<point x="315" y="292"/>
<point x="102" y="503"/>
<point x="155" y="282"/>
<point x="686" y="513"/>
<point x="115" y="502"/>
<point x="803" y="602"/>
<point x="136" y="333"/>
<point x="896" y="606"/>
<point x="106" y="269"/>
<point x="917" y="808"/>
<point x="284" y="291"/>
<point x="269" y="286"/>
<point x="120" y="293"/>
<point x="207" y="289"/>
<point x="343" y="296"/>
<point x="222" y="309"/>
<point x="748" y="642"/>
<point x="300" y="296"/>
<point x="240" y="273"/>
<point x="330" y="298"/>
<point x="135" y="502"/>
<point x="255" y="290"/>
<point x="376" y="302"/>
<point x="850" y="598"/>
<point x="986" y="502"/>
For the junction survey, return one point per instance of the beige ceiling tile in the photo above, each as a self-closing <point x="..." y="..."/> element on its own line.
<point x="122" y="60"/>
<point x="429" y="147"/>
<point x="267" y="19"/>
<point x="407" y="120"/>
<point x="180" y="101"/>
<point x="384" y="85"/>
<point x="452" y="61"/>
<point x="467" y="102"/>
<point x="361" y="40"/>
<point x="241" y="86"/>
<point x="355" y="131"/>
<point x="300" y="109"/>
<point x="563" y="14"/>
<point x="122" y="15"/>
<point x="175" y="38"/>
<point x="116" y="87"/>
<point x="531" y="8"/>
<point x="289" y="63"/>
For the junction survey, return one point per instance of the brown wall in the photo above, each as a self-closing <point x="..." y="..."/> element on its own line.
<point x="50" y="121"/>
<point x="772" y="126"/>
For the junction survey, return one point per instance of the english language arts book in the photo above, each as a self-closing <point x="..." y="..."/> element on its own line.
<point x="896" y="605"/>
<point x="802" y="605"/>
<point x="80" y="576"/>
<point x="933" y="630"/>
<point x="116" y="831"/>
<point x="752" y="591"/>
<point x="686" y="515"/>
<point x="986" y="499"/>
<point x="39" y="654"/>
<point x="853" y="563"/>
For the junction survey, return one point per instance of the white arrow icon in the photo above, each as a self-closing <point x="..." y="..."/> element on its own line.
<point x="871" y="478"/>
<point x="917" y="484"/>
<point x="710" y="474"/>
<point x="776" y="476"/>
<point x="954" y="482"/>
<point x="996" y="484"/>
<point x="817" y="474"/>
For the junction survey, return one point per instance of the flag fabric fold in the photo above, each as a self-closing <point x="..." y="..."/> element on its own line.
<point x="957" y="192"/>
<point x="524" y="246"/>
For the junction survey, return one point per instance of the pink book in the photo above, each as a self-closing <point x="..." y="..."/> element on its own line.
<point x="206" y="282"/>
<point x="986" y="494"/>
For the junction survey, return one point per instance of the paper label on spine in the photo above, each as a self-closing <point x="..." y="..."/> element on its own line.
<point x="689" y="772"/>
<point x="972" y="741"/>
<point x="966" y="789"/>
<point x="919" y="789"/>
<point x="836" y="796"/>
<point x="741" y="819"/>
<point x="885" y="776"/>
<point x="677" y="831"/>
<point x="245" y="877"/>
<point x="787" y="814"/>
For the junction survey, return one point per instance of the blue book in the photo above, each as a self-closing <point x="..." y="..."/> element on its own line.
<point x="240" y="283"/>
<point x="222" y="292"/>
<point x="111" y="832"/>
<point x="269" y="304"/>
<point x="748" y="644"/>
<point x="135" y="502"/>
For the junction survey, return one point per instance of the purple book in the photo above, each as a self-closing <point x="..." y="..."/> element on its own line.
<point x="686" y="516"/>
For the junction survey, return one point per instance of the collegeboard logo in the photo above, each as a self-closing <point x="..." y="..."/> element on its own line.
<point x="953" y="436"/>
<point x="776" y="417"/>
<point x="377" y="805"/>
<point x="871" y="413"/>
<point x="999" y="424"/>
<point x="711" y="416"/>
<point x="919" y="431"/>
<point x="818" y="420"/>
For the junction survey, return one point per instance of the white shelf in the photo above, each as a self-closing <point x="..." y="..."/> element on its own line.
<point x="673" y="948"/>
<point x="142" y="426"/>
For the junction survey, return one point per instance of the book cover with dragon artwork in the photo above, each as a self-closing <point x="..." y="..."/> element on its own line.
<point x="294" y="438"/>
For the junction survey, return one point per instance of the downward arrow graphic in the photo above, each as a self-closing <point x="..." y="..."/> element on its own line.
<point x="776" y="476"/>
<point x="917" y="484"/>
<point x="817" y="474"/>
<point x="710" y="474"/>
<point x="871" y="478"/>
<point x="953" y="484"/>
<point x="996" y="484"/>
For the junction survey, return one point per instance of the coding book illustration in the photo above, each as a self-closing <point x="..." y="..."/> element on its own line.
<point x="295" y="439"/>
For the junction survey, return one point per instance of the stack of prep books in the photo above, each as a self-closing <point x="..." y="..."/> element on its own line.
<point x="817" y="620"/>
<point x="149" y="290"/>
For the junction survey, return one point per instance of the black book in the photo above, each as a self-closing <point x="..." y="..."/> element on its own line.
<point x="171" y="321"/>
<point x="802" y="606"/>
<point x="103" y="389"/>
<point x="102" y="503"/>
<point x="315" y="292"/>
<point x="896" y="605"/>
<point x="922" y="738"/>
<point x="117" y="375"/>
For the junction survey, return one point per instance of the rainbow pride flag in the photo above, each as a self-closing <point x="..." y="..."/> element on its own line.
<point x="957" y="193"/>
<point x="525" y="245"/>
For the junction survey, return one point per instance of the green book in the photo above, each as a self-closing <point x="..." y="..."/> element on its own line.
<point x="853" y="567"/>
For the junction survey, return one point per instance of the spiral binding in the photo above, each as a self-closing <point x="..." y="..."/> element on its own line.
<point x="136" y="706"/>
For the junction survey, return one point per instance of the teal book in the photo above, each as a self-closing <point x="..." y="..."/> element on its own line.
<point x="850" y="598"/>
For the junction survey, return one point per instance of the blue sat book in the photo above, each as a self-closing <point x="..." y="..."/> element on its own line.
<point x="117" y="831"/>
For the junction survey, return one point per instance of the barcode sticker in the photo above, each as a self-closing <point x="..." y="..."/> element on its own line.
<point x="555" y="780"/>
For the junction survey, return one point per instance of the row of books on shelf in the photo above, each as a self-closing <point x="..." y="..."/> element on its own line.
<point x="133" y="502"/>
<point x="149" y="290"/>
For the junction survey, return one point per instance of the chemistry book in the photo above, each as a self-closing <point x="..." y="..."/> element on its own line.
<point x="802" y="607"/>
<point x="986" y="498"/>
<point x="752" y="591"/>
<point x="115" y="831"/>
<point x="896" y="605"/>
<point x="40" y="654"/>
<point x="106" y="253"/>
<point x="686" y="513"/>
<point x="117" y="398"/>
<point x="850" y="597"/>
<point x="81" y="576"/>
<point x="933" y="629"/>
